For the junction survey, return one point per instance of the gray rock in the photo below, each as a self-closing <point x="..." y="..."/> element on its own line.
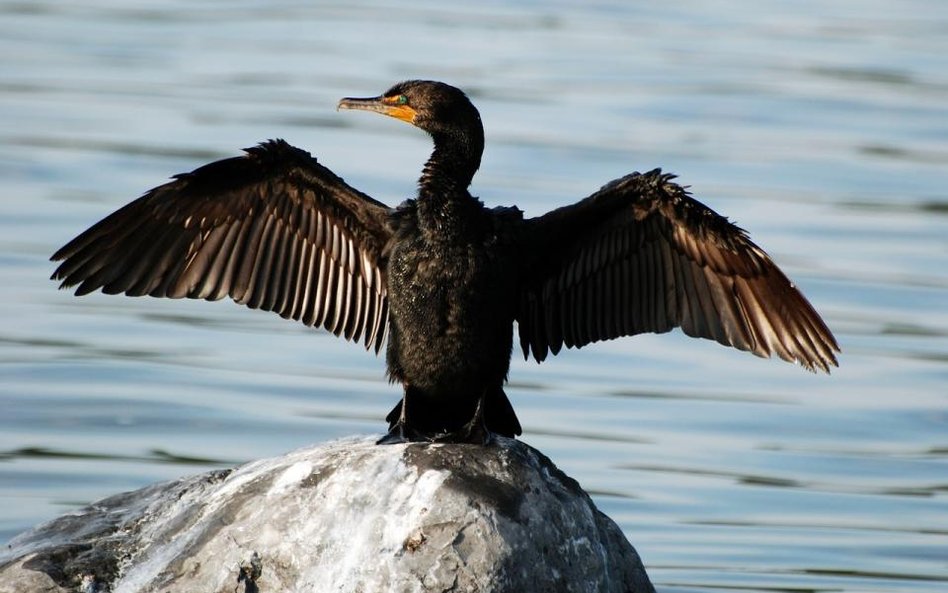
<point x="349" y="516"/>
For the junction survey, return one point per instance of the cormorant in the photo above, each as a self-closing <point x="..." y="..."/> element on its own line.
<point x="441" y="275"/>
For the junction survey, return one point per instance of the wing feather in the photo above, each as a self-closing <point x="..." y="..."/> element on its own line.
<point x="641" y="255"/>
<point x="272" y="229"/>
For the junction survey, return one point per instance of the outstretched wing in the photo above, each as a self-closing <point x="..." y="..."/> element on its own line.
<point x="272" y="229"/>
<point x="640" y="255"/>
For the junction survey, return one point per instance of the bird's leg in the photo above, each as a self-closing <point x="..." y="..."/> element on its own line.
<point x="475" y="431"/>
<point x="400" y="431"/>
<point x="396" y="434"/>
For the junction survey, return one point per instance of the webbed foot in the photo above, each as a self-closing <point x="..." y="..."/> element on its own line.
<point x="475" y="432"/>
<point x="401" y="433"/>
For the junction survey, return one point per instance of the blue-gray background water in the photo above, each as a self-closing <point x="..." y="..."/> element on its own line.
<point x="821" y="127"/>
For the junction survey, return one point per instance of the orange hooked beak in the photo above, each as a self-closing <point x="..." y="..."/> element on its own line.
<point x="390" y="106"/>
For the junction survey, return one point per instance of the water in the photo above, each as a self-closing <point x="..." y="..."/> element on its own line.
<point x="820" y="127"/>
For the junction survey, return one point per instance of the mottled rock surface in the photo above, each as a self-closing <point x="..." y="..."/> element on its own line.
<point x="349" y="516"/>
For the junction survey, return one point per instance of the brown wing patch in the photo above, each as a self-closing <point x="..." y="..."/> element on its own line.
<point x="273" y="230"/>
<point x="641" y="256"/>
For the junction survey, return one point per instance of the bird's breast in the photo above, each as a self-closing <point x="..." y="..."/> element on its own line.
<point x="451" y="311"/>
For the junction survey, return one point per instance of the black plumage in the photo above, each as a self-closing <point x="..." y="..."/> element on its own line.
<point x="442" y="276"/>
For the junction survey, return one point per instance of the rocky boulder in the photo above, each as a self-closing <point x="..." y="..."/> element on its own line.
<point x="349" y="516"/>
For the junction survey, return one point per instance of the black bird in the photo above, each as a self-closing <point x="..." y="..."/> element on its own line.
<point x="441" y="275"/>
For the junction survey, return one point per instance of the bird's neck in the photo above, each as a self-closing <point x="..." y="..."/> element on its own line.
<point x="449" y="170"/>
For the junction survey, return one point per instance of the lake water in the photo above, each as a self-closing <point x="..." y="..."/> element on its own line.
<point x="821" y="127"/>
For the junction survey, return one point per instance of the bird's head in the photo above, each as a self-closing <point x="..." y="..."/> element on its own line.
<point x="437" y="108"/>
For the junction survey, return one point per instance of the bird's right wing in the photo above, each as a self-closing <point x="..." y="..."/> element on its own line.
<point x="641" y="255"/>
<point x="272" y="229"/>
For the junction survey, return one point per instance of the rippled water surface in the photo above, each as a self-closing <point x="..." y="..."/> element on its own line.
<point x="820" y="127"/>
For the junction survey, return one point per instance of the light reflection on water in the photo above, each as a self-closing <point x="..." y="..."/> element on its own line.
<point x="823" y="131"/>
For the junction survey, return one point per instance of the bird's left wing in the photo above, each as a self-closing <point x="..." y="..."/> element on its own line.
<point x="272" y="229"/>
<point x="640" y="255"/>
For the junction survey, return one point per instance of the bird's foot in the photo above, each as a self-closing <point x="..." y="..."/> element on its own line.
<point x="474" y="432"/>
<point x="393" y="437"/>
<point x="471" y="433"/>
<point x="401" y="433"/>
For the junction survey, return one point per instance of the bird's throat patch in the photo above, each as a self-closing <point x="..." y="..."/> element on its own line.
<point x="402" y="112"/>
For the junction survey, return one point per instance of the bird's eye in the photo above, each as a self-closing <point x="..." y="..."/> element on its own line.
<point x="401" y="100"/>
